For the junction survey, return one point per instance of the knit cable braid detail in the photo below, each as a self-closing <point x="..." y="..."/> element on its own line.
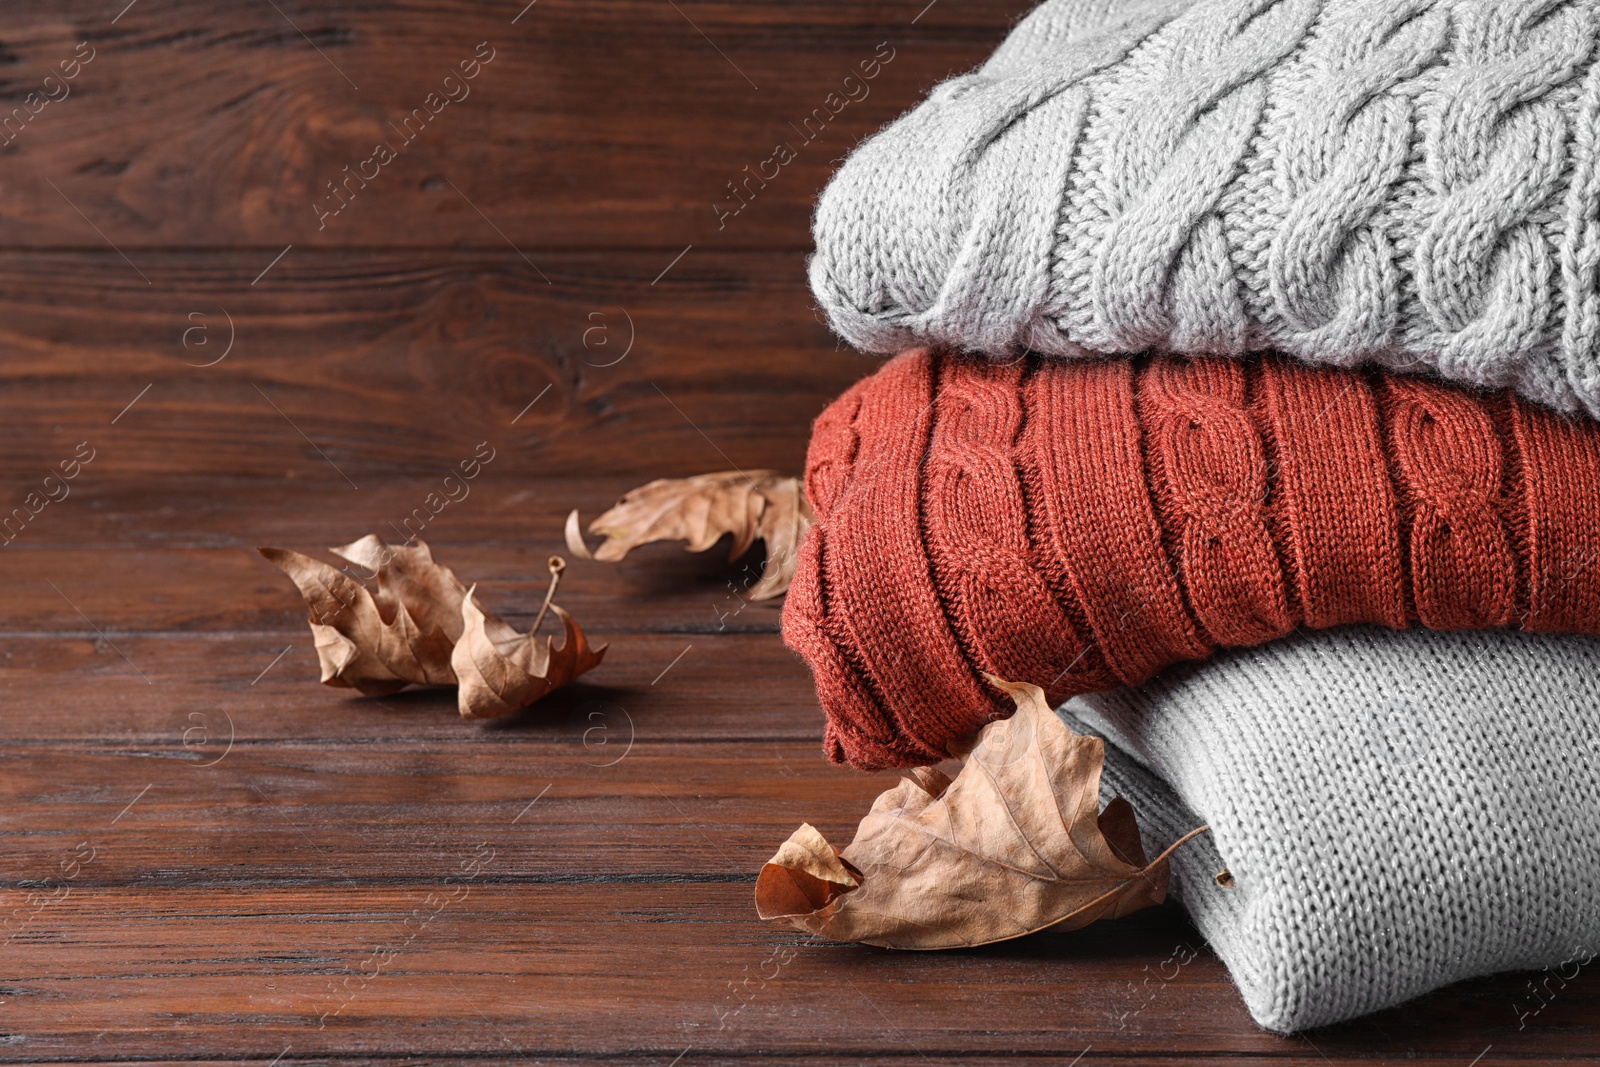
<point x="1495" y="151"/>
<point x="1162" y="268"/>
<point x="998" y="597"/>
<point x="1450" y="465"/>
<point x="1406" y="183"/>
<point x="1346" y="135"/>
<point x="1206" y="457"/>
<point x="1083" y="524"/>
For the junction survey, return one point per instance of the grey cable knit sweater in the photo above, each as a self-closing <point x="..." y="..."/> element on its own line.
<point x="1407" y="182"/>
<point x="1398" y="811"/>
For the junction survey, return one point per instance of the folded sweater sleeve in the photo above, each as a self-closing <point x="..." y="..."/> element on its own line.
<point x="1398" y="812"/>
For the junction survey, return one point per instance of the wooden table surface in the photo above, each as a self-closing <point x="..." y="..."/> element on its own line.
<point x="209" y="857"/>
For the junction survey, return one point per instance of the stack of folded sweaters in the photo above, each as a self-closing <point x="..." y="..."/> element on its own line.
<point x="1246" y="396"/>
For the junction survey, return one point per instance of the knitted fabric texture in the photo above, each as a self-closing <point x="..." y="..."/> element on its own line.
<point x="1398" y="811"/>
<point x="1411" y="183"/>
<point x="1081" y="524"/>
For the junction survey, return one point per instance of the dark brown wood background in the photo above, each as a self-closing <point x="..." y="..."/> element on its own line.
<point x="210" y="858"/>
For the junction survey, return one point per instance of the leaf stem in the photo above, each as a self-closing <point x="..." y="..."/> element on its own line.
<point x="557" y="565"/>
<point x="1180" y="842"/>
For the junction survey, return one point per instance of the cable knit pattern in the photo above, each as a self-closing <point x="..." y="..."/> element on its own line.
<point x="1494" y="154"/>
<point x="1084" y="524"/>
<point x="1210" y="469"/>
<point x="1161" y="268"/>
<point x="1411" y="183"/>
<point x="1345" y="137"/>
<point x="997" y="597"/>
<point x="1398" y="811"/>
<point x="903" y="674"/>
<point x="1580" y="248"/>
<point x="1448" y="455"/>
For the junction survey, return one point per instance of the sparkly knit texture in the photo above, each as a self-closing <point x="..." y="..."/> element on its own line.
<point x="1411" y="183"/>
<point x="1081" y="524"/>
<point x="1398" y="811"/>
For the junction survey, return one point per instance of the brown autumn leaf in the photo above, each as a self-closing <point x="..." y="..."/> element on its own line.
<point x="1015" y="844"/>
<point x="501" y="670"/>
<point x="379" y="641"/>
<point x="422" y="626"/>
<point x="752" y="505"/>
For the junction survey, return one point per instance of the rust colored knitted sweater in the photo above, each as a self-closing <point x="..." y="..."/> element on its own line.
<point x="1081" y="525"/>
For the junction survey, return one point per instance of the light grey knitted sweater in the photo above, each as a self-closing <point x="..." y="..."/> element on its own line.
<point x="1399" y="811"/>
<point x="1407" y="182"/>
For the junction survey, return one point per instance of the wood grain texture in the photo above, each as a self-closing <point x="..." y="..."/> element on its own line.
<point x="208" y="854"/>
<point x="648" y="968"/>
<point x="659" y="687"/>
<point x="183" y="558"/>
<point x="598" y="123"/>
<point x="354" y="369"/>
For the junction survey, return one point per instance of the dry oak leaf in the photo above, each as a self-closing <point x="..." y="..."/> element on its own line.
<point x="379" y="642"/>
<point x="501" y="670"/>
<point x="752" y="505"/>
<point x="1015" y="844"/>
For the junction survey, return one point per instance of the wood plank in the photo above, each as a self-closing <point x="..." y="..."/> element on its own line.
<point x="539" y="969"/>
<point x="650" y="970"/>
<point x="719" y="1058"/>
<point x="263" y="687"/>
<point x="180" y="556"/>
<point x="869" y="1058"/>
<point x="113" y="514"/>
<point x="352" y="370"/>
<point x="309" y="812"/>
<point x="116" y="513"/>
<point x="597" y="123"/>
<point x="107" y="594"/>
